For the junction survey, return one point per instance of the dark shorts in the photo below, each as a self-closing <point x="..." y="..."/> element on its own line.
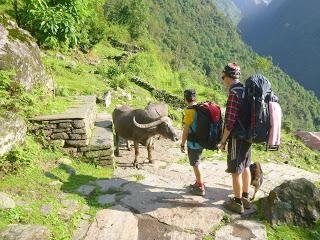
<point x="194" y="156"/>
<point x="239" y="155"/>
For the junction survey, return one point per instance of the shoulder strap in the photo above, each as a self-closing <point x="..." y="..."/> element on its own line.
<point x="234" y="90"/>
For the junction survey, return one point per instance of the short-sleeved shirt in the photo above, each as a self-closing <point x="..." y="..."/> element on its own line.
<point x="190" y="117"/>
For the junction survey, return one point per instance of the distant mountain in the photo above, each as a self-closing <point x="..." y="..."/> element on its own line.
<point x="289" y="31"/>
<point x="235" y="10"/>
<point x="249" y="6"/>
<point x="230" y="10"/>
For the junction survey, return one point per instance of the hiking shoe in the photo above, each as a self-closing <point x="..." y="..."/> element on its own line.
<point x="232" y="205"/>
<point x="246" y="203"/>
<point x="196" y="190"/>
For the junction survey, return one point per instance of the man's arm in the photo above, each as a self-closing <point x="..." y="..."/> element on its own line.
<point x="184" y="137"/>
<point x="232" y="114"/>
<point x="225" y="136"/>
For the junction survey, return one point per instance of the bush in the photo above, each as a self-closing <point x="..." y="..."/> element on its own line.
<point x="132" y="13"/>
<point x="61" y="23"/>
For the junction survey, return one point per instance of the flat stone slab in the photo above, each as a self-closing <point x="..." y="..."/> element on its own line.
<point x="6" y="201"/>
<point x="25" y="232"/>
<point x="102" y="135"/>
<point x="85" y="190"/>
<point x="116" y="223"/>
<point x="83" y="106"/>
<point x="106" y="199"/>
<point x="112" y="184"/>
<point x="242" y="229"/>
<point x="81" y="231"/>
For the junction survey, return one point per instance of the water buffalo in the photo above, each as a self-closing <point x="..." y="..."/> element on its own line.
<point x="141" y="125"/>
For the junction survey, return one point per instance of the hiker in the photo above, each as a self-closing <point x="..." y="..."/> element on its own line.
<point x="239" y="151"/>
<point x="194" y="148"/>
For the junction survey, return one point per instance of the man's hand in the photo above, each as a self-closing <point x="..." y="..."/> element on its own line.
<point x="182" y="148"/>
<point x="222" y="146"/>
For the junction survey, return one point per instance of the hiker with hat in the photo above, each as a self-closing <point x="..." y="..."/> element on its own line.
<point x="239" y="150"/>
<point x="194" y="148"/>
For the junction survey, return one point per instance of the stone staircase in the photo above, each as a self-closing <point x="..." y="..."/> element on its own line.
<point x="80" y="130"/>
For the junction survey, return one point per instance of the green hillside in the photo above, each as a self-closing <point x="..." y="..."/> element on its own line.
<point x="201" y="40"/>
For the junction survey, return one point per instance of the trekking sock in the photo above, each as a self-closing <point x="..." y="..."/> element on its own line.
<point x="245" y="195"/>
<point x="238" y="200"/>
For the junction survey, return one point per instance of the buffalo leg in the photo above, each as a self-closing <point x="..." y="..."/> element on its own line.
<point x="128" y="146"/>
<point x="149" y="148"/>
<point x="116" y="143"/>
<point x="136" y="154"/>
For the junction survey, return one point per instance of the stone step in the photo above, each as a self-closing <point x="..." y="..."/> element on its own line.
<point x="100" y="147"/>
<point x="73" y="128"/>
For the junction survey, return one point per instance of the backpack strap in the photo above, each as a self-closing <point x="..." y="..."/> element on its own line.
<point x="234" y="90"/>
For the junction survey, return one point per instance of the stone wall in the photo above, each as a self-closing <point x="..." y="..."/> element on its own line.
<point x="12" y="132"/>
<point x="80" y="130"/>
<point x="160" y="95"/>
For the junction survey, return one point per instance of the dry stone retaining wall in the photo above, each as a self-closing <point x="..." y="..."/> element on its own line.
<point x="78" y="131"/>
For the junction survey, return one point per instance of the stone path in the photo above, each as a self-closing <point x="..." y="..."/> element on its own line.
<point x="154" y="202"/>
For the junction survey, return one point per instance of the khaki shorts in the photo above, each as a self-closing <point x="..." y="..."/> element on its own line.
<point x="239" y="155"/>
<point x="194" y="156"/>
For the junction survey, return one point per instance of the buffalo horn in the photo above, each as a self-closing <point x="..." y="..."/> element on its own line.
<point x="149" y="125"/>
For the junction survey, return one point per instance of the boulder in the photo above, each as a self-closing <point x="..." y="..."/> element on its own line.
<point x="293" y="202"/>
<point x="19" y="52"/>
<point x="25" y="232"/>
<point x="242" y="229"/>
<point x="6" y="201"/>
<point x="13" y="131"/>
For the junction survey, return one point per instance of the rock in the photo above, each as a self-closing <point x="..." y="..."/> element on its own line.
<point x="109" y="224"/>
<point x="242" y="229"/>
<point x="64" y="160"/>
<point x="78" y="124"/>
<point x="25" y="232"/>
<point x="60" y="56"/>
<point x="112" y="184"/>
<point x="77" y="136"/>
<point x="70" y="208"/>
<point x="106" y="199"/>
<point x="19" y="52"/>
<point x="81" y="230"/>
<point x="13" y="130"/>
<point x="55" y="183"/>
<point x="77" y="143"/>
<point x="85" y="190"/>
<point x="61" y="135"/>
<point x="6" y="201"/>
<point x="293" y="202"/>
<point x="46" y="209"/>
<point x="70" y="170"/>
<point x="176" y="235"/>
<point x="101" y="153"/>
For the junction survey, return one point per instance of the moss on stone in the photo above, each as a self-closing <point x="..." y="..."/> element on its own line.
<point x="14" y="33"/>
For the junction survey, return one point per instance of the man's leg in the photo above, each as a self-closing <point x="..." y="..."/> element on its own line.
<point x="237" y="184"/>
<point x="198" y="174"/>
